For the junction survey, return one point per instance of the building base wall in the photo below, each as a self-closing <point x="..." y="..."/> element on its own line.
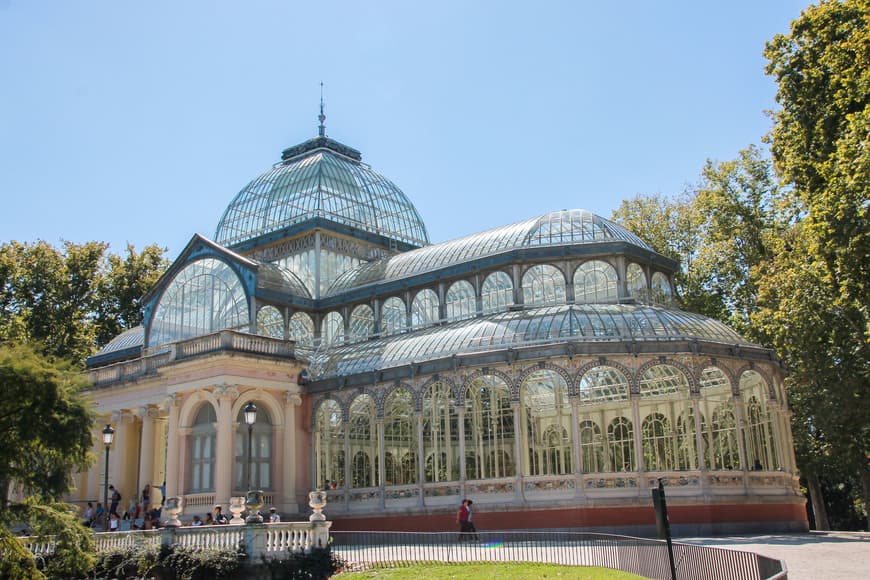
<point x="686" y="520"/>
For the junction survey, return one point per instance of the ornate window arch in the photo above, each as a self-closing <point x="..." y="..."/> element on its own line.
<point x="620" y="441"/>
<point x="362" y="323"/>
<point x="592" y="448"/>
<point x="544" y="395"/>
<point x="489" y="429"/>
<point x="301" y="328"/>
<point x="203" y="297"/>
<point x="460" y="301"/>
<point x="424" y="308"/>
<point x="400" y="438"/>
<point x="603" y="384"/>
<point x="724" y="452"/>
<point x="393" y="317"/>
<point x="635" y="282"/>
<point x="440" y="434"/>
<point x="658" y="443"/>
<point x="332" y="328"/>
<point x="329" y="443"/>
<point x="363" y="440"/>
<point x="687" y="453"/>
<point x="203" y="443"/>
<point x="595" y="282"/>
<point x="662" y="293"/>
<point x="544" y="285"/>
<point x="497" y="293"/>
<point x="270" y="322"/>
<point x="261" y="451"/>
<point x="662" y="380"/>
<point x="759" y="436"/>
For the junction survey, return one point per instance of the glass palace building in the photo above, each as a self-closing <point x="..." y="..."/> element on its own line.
<point x="539" y="368"/>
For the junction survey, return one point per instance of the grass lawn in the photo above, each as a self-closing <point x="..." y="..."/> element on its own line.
<point x="486" y="571"/>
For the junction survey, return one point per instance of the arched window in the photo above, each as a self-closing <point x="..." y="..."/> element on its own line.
<point x="440" y="434"/>
<point x="687" y="455"/>
<point x="489" y="429"/>
<point x="202" y="449"/>
<point x="658" y="444"/>
<point x="393" y="316"/>
<point x="603" y="384"/>
<point x="547" y="413"/>
<point x="301" y="329"/>
<point x="497" y="293"/>
<point x="592" y="448"/>
<point x="329" y="443"/>
<point x="400" y="438"/>
<point x="724" y="453"/>
<point x="332" y="331"/>
<point x="363" y="441"/>
<point x="424" y="308"/>
<point x="270" y="322"/>
<point x="362" y="322"/>
<point x="759" y="435"/>
<point x="261" y="451"/>
<point x="635" y="282"/>
<point x="204" y="297"/>
<point x="620" y="440"/>
<point x="460" y="302"/>
<point x="661" y="289"/>
<point x="662" y="380"/>
<point x="543" y="285"/>
<point x="595" y="282"/>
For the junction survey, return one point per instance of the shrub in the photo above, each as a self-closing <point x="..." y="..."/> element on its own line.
<point x="320" y="564"/>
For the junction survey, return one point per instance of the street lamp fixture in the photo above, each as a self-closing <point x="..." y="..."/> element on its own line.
<point x="254" y="498"/>
<point x="108" y="437"/>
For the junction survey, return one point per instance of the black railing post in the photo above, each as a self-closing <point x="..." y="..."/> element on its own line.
<point x="662" y="523"/>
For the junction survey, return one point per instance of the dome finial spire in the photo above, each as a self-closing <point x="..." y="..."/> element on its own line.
<point x="321" y="129"/>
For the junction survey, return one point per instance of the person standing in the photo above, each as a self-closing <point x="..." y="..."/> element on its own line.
<point x="464" y="519"/>
<point x="274" y="516"/>
<point x="115" y="500"/>
<point x="219" y="518"/>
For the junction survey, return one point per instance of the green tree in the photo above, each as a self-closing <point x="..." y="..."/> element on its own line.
<point x="815" y="291"/>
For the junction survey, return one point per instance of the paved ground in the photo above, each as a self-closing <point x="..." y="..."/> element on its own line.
<point x="817" y="555"/>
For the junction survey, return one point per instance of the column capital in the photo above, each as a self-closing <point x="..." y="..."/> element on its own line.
<point x="123" y="416"/>
<point x="292" y="399"/>
<point x="169" y="401"/>
<point x="147" y="411"/>
<point x="226" y="391"/>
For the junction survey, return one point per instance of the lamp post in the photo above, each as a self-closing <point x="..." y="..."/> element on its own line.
<point x="254" y="498"/>
<point x="108" y="436"/>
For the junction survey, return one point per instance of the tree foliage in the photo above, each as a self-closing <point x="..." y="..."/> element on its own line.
<point x="72" y="300"/>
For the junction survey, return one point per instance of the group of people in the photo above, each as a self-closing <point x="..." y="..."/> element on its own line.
<point x="140" y="513"/>
<point x="219" y="519"/>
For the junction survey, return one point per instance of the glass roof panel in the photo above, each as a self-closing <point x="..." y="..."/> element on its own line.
<point x="595" y="322"/>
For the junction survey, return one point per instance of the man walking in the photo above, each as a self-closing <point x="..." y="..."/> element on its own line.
<point x="115" y="500"/>
<point x="464" y="518"/>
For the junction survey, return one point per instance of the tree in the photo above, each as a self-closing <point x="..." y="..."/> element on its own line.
<point x="817" y="289"/>
<point x="74" y="300"/>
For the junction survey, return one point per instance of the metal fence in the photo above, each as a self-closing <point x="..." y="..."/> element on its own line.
<point x="645" y="557"/>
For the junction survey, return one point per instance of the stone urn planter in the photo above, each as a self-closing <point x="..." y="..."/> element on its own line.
<point x="317" y="501"/>
<point x="237" y="506"/>
<point x="254" y="501"/>
<point x="172" y="507"/>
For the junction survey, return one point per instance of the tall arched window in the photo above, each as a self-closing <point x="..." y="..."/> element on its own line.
<point x="620" y="440"/>
<point x="602" y="385"/>
<point x="460" y="302"/>
<point x="440" y="434"/>
<point x="543" y="285"/>
<point x="687" y="455"/>
<point x="592" y="448"/>
<point x="661" y="289"/>
<point x="595" y="282"/>
<point x="270" y="322"/>
<point x="261" y="451"/>
<point x="400" y="438"/>
<point x="724" y="453"/>
<point x="202" y="449"/>
<point x="205" y="296"/>
<point x="424" y="308"/>
<point x="548" y="420"/>
<point x="658" y="443"/>
<point x="301" y="329"/>
<point x="363" y="440"/>
<point x="635" y="282"/>
<point x="497" y="293"/>
<point x="393" y="316"/>
<point x="332" y="331"/>
<point x="489" y="429"/>
<point x="362" y="322"/>
<point x="759" y="435"/>
<point x="329" y="443"/>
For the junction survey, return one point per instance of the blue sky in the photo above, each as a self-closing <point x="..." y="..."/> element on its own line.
<point x="139" y="122"/>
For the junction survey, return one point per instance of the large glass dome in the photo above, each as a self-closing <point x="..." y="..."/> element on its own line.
<point x="321" y="178"/>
